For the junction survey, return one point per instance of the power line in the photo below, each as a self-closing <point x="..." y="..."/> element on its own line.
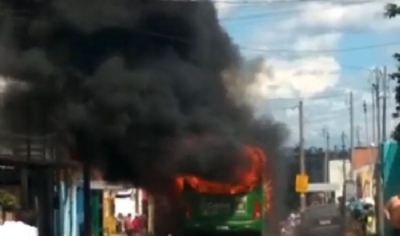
<point x="351" y="67"/>
<point x="261" y="15"/>
<point x="252" y="2"/>
<point x="280" y="13"/>
<point x="182" y="40"/>
<point x="309" y="99"/>
<point x="365" y="47"/>
<point x="350" y="49"/>
<point x="295" y="100"/>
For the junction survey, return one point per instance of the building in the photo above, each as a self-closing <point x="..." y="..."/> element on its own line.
<point x="339" y="171"/>
<point x="364" y="156"/>
<point x="315" y="161"/>
<point x="363" y="164"/>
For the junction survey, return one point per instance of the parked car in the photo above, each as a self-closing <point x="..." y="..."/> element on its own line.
<point x="321" y="220"/>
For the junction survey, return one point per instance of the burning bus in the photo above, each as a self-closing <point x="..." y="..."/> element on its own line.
<point x="213" y="207"/>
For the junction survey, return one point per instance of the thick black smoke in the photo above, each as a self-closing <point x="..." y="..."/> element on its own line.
<point x="141" y="89"/>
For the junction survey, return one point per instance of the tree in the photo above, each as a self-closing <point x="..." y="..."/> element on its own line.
<point x="7" y="200"/>
<point x="396" y="76"/>
<point x="392" y="10"/>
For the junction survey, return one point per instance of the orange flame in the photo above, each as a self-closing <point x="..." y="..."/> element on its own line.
<point x="248" y="179"/>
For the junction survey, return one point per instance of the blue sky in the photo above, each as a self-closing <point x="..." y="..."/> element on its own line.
<point x="310" y="51"/>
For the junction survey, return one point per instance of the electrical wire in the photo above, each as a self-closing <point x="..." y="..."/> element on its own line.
<point x="253" y="16"/>
<point x="310" y="98"/>
<point x="349" y="49"/>
<point x="285" y="12"/>
<point x="246" y="48"/>
<point x="252" y="2"/>
<point x="261" y="15"/>
<point x="295" y="106"/>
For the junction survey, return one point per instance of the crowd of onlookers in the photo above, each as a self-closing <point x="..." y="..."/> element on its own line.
<point x="131" y="225"/>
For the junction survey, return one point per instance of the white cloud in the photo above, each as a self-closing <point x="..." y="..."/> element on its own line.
<point x="302" y="77"/>
<point x="317" y="42"/>
<point x="300" y="65"/>
<point x="223" y="8"/>
<point x="339" y="16"/>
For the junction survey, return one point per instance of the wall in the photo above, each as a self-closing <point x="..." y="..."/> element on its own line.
<point x="363" y="156"/>
<point x="365" y="181"/>
<point x="336" y="174"/>
<point x="108" y="209"/>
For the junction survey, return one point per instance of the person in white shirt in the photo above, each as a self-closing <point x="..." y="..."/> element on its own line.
<point x="19" y="226"/>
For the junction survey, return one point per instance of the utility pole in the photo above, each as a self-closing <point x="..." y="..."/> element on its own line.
<point x="384" y="85"/>
<point x="373" y="114"/>
<point x="358" y="138"/>
<point x="351" y="107"/>
<point x="325" y="132"/>
<point x="376" y="86"/>
<point x="377" y="173"/>
<point x="366" y="124"/>
<point x="302" y="156"/>
<point x="343" y="138"/>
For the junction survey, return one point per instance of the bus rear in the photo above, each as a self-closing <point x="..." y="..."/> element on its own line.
<point x="213" y="213"/>
<point x="215" y="207"/>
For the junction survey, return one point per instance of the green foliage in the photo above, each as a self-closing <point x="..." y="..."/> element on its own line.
<point x="396" y="76"/>
<point x="7" y="200"/>
<point x="392" y="10"/>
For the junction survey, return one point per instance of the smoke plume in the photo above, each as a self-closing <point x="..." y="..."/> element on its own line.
<point x="143" y="90"/>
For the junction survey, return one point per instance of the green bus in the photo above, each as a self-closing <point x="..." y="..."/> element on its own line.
<point x="223" y="213"/>
<point x="217" y="208"/>
<point x="214" y="208"/>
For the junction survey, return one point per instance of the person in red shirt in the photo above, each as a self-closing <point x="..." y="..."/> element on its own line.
<point x="137" y="225"/>
<point x="128" y="225"/>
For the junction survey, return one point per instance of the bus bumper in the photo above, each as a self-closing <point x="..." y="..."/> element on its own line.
<point x="253" y="227"/>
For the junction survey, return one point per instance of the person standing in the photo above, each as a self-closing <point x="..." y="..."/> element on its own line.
<point x="120" y="223"/>
<point x="22" y="224"/>
<point x="128" y="225"/>
<point x="137" y="225"/>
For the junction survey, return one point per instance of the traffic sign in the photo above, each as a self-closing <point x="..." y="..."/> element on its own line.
<point x="301" y="183"/>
